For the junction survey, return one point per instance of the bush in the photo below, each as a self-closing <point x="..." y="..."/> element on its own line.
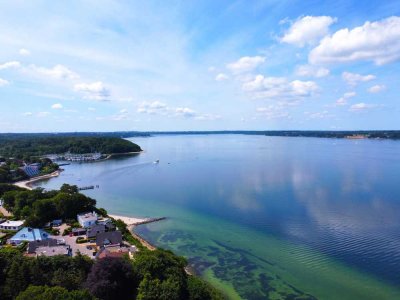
<point x="67" y="231"/>
<point x="54" y="231"/>
<point x="81" y="240"/>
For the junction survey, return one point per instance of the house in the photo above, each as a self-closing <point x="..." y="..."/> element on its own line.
<point x="107" y="222"/>
<point x="78" y="231"/>
<point x="49" y="247"/>
<point x="87" y="219"/>
<point x="109" y="238"/>
<point x="28" y="234"/>
<point x="12" y="225"/>
<point x="94" y="230"/>
<point x="116" y="252"/>
<point x="54" y="250"/>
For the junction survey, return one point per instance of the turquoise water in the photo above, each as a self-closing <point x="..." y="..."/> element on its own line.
<point x="264" y="217"/>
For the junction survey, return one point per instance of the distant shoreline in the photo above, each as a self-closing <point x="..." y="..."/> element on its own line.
<point x="26" y="184"/>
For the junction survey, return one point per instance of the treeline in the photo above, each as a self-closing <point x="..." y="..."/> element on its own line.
<point x="37" y="207"/>
<point x="117" y="134"/>
<point x="373" y="134"/>
<point x="26" y="146"/>
<point x="152" y="275"/>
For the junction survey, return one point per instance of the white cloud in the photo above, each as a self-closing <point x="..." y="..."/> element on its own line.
<point x="24" y="52"/>
<point x="344" y="100"/>
<point x="361" y="107"/>
<point x="94" y="91"/>
<point x="91" y="109"/>
<point x="221" y="77"/>
<point x="57" y="106"/>
<point x="349" y="94"/>
<point x="10" y="64"/>
<point x="123" y="114"/>
<point x="311" y="71"/>
<point x="353" y="78"/>
<point x="185" y="112"/>
<point x="27" y="114"/>
<point x="155" y="107"/>
<point x="245" y="64"/>
<point x="376" y="89"/>
<point x="57" y="72"/>
<point x="42" y="114"/>
<point x="308" y="30"/>
<point x="279" y="88"/>
<point x="160" y="108"/>
<point x="378" y="42"/>
<point x="207" y="117"/>
<point x="4" y="82"/>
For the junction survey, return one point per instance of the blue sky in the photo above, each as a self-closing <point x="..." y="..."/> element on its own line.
<point x="199" y="65"/>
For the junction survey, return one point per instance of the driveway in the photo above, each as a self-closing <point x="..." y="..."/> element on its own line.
<point x="71" y="241"/>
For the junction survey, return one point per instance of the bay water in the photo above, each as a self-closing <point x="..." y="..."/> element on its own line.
<point x="263" y="217"/>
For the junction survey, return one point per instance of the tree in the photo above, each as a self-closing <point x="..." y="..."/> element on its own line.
<point x="53" y="293"/>
<point x="163" y="269"/>
<point x="154" y="289"/>
<point x="112" y="278"/>
<point x="200" y="290"/>
<point x="69" y="189"/>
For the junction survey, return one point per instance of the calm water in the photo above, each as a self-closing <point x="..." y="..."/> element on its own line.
<point x="265" y="217"/>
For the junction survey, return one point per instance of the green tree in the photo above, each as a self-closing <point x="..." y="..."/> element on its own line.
<point x="53" y="293"/>
<point x="69" y="189"/>
<point x="112" y="278"/>
<point x="200" y="290"/>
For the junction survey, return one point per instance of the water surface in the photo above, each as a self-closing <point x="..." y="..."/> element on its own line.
<point x="264" y="217"/>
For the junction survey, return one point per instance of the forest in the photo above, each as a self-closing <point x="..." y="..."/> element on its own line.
<point x="26" y="146"/>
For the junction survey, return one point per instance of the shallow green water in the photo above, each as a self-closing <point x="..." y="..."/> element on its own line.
<point x="262" y="217"/>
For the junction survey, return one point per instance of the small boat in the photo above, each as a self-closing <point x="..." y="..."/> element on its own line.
<point x="156" y="161"/>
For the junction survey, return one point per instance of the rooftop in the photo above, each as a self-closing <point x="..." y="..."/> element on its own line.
<point x="12" y="223"/>
<point x="53" y="250"/>
<point x="88" y="215"/>
<point x="30" y="234"/>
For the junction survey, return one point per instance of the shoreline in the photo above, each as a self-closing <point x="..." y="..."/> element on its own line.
<point x="133" y="222"/>
<point x="26" y="184"/>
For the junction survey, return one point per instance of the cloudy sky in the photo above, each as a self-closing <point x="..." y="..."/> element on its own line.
<point x="199" y="65"/>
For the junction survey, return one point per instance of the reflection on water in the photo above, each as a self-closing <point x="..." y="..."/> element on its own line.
<point x="312" y="205"/>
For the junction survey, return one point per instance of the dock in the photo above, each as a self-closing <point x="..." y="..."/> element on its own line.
<point x="83" y="188"/>
<point x="149" y="220"/>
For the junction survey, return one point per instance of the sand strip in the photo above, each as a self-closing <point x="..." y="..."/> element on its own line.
<point x="26" y="184"/>
<point x="129" y="220"/>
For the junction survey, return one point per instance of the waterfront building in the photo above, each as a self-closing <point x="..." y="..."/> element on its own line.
<point x="87" y="219"/>
<point x="110" y="238"/>
<point x="94" y="230"/>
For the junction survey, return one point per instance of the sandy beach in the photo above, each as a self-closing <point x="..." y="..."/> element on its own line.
<point x="129" y="220"/>
<point x="27" y="183"/>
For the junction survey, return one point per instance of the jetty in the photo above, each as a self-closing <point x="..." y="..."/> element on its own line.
<point x="88" y="187"/>
<point x="149" y="220"/>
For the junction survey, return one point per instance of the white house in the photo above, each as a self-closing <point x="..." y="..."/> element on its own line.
<point x="87" y="219"/>
<point x="12" y="225"/>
